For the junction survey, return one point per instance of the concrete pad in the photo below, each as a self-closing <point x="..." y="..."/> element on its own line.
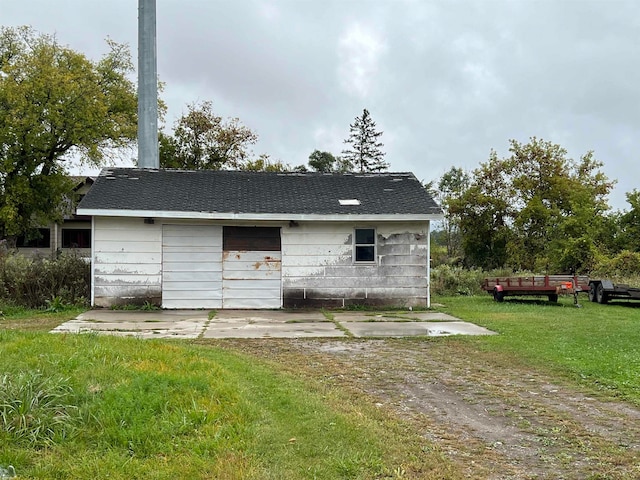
<point x="393" y="317"/>
<point x="272" y="330"/>
<point x="408" y="329"/>
<point x="268" y="316"/>
<point x="154" y="324"/>
<point x="266" y="324"/>
<point x="107" y="315"/>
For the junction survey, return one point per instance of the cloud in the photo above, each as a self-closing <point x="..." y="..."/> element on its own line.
<point x="359" y="54"/>
<point x="446" y="81"/>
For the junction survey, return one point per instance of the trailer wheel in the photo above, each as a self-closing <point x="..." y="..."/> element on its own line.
<point x="593" y="296"/>
<point x="601" y="295"/>
<point x="553" y="297"/>
<point x="498" y="295"/>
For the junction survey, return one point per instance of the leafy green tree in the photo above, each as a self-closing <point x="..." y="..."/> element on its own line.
<point x="55" y="105"/>
<point x="202" y="140"/>
<point x="322" y="161"/>
<point x="483" y="211"/>
<point x="451" y="186"/>
<point x="561" y="207"/>
<point x="326" y="162"/>
<point x="264" y="164"/>
<point x="629" y="223"/>
<point x="365" y="150"/>
<point x="548" y="211"/>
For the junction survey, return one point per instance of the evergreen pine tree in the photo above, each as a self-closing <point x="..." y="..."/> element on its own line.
<point x="364" y="151"/>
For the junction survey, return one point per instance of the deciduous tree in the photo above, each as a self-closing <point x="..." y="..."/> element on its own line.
<point x="484" y="210"/>
<point x="629" y="222"/>
<point x="264" y="164"/>
<point x="451" y="186"/>
<point x="55" y="105"/>
<point x="547" y="211"/>
<point x="322" y="161"/>
<point x="203" y="140"/>
<point x="326" y="162"/>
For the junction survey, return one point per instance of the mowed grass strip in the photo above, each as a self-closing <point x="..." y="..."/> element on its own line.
<point x="19" y="318"/>
<point x="89" y="406"/>
<point x="595" y="345"/>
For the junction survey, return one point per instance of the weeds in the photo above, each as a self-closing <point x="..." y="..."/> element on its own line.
<point x="35" y="410"/>
<point x="332" y="318"/>
<point x="55" y="305"/>
<point x="146" y="306"/>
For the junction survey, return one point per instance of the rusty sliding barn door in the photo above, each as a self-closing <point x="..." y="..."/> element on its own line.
<point x="251" y="267"/>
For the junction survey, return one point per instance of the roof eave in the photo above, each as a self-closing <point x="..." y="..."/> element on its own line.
<point x="260" y="216"/>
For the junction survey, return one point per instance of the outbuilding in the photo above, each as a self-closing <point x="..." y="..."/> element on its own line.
<point x="235" y="239"/>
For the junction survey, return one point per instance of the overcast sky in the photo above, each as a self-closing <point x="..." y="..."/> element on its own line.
<point x="446" y="81"/>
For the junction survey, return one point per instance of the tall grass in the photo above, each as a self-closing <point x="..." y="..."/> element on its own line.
<point x="36" y="411"/>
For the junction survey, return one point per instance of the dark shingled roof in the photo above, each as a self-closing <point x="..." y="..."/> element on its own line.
<point x="258" y="192"/>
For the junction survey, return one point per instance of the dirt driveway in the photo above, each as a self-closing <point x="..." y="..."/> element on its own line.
<point x="493" y="417"/>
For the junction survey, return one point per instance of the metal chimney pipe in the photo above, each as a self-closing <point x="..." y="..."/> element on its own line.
<point x="148" y="156"/>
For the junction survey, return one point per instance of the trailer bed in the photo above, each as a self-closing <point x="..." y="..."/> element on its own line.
<point x="603" y="290"/>
<point x="535" y="285"/>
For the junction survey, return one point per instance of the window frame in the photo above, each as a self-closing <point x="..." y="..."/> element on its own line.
<point x="87" y="231"/>
<point x="251" y="239"/>
<point x="374" y="261"/>
<point x="43" y="242"/>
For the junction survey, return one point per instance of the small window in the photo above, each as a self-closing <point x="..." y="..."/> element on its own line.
<point x="251" y="239"/>
<point x="76" y="238"/>
<point x="365" y="245"/>
<point x="42" y="240"/>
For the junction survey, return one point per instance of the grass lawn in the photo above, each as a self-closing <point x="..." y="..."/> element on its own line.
<point x="596" y="345"/>
<point x="88" y="406"/>
<point x="25" y="319"/>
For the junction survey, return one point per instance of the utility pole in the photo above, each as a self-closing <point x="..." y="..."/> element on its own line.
<point x="148" y="156"/>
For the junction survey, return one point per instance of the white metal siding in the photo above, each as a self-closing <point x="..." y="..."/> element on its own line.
<point x="251" y="279"/>
<point x="192" y="266"/>
<point x="318" y="266"/>
<point x="126" y="261"/>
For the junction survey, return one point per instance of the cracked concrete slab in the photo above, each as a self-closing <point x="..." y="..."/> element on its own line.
<point x="191" y="324"/>
<point x="409" y="329"/>
<point x="268" y="316"/>
<point x="402" y="316"/>
<point x="272" y="330"/>
<point x="138" y="327"/>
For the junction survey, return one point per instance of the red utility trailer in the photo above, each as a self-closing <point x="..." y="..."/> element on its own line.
<point x="537" y="285"/>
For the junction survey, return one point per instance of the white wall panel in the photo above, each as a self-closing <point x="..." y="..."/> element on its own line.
<point x="126" y="261"/>
<point x="192" y="266"/>
<point x="251" y="279"/>
<point x="128" y="258"/>
<point x="318" y="264"/>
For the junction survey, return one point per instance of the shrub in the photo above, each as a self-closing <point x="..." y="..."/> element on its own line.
<point x="34" y="281"/>
<point x="624" y="266"/>
<point x="451" y="280"/>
